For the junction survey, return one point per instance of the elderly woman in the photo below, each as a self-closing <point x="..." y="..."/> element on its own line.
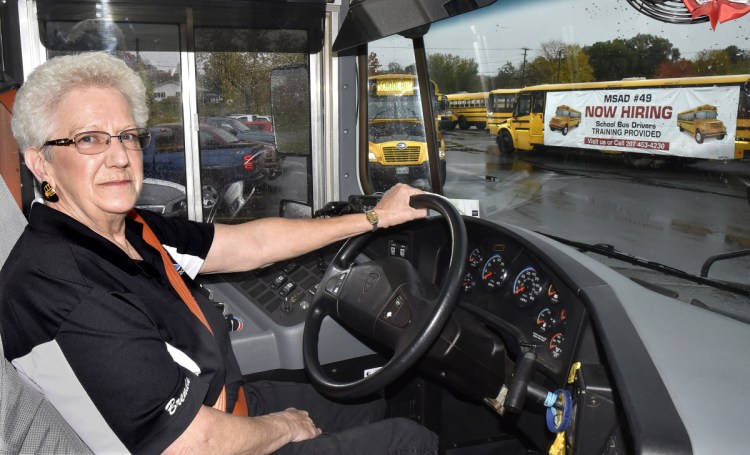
<point x="97" y="302"/>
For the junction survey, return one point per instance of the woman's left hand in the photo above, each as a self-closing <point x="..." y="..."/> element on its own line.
<point x="394" y="207"/>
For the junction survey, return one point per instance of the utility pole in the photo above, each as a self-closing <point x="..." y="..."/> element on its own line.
<point x="523" y="67"/>
<point x="559" y="59"/>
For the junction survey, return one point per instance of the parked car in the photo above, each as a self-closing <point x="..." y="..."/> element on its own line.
<point x="164" y="197"/>
<point x="224" y="159"/>
<point x="256" y="122"/>
<point x="252" y="118"/>
<point x="243" y="132"/>
<point x="260" y="125"/>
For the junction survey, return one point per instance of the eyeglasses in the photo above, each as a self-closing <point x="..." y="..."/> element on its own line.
<point x="95" y="142"/>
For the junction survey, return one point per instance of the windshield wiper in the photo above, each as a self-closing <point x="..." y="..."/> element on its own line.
<point x="610" y="251"/>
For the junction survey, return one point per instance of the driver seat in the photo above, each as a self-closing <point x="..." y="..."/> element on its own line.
<point x="28" y="422"/>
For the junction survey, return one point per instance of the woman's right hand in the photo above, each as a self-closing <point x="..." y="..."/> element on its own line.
<point x="214" y="431"/>
<point x="301" y="425"/>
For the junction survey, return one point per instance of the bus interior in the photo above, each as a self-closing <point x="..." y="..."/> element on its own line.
<point x="563" y="313"/>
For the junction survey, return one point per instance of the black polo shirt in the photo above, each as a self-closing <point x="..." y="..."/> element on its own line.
<point x="106" y="338"/>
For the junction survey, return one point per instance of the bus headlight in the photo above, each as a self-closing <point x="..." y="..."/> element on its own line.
<point x="371" y="156"/>
<point x="441" y="154"/>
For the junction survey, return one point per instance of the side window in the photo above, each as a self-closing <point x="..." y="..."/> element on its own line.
<point x="524" y="104"/>
<point x="538" y="102"/>
<point x="243" y="175"/>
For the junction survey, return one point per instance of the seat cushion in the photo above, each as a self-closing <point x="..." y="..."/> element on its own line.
<point x="28" y="423"/>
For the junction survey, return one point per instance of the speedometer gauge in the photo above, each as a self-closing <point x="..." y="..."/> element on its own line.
<point x="527" y="286"/>
<point x="494" y="272"/>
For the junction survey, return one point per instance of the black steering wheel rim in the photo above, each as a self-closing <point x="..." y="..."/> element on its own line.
<point x="422" y="336"/>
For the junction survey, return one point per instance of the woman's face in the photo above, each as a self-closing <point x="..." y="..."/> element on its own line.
<point x="93" y="188"/>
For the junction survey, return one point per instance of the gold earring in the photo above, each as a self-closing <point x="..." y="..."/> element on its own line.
<point x="48" y="192"/>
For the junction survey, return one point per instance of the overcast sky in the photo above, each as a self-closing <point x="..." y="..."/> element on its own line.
<point x="502" y="30"/>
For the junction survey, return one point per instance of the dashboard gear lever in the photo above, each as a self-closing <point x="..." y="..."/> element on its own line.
<point x="522" y="388"/>
<point x="516" y="396"/>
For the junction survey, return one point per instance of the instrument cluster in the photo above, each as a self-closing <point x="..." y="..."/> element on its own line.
<point x="506" y="280"/>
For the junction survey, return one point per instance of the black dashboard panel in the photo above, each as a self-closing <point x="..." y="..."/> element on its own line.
<point x="535" y="304"/>
<point x="507" y="280"/>
<point x="502" y="278"/>
<point x="285" y="290"/>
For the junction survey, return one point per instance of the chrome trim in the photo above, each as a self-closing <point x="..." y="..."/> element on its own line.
<point x="31" y="43"/>
<point x="190" y="118"/>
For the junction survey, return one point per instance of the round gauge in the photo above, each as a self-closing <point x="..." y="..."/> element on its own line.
<point x="527" y="286"/>
<point x="555" y="344"/>
<point x="475" y="258"/>
<point x="468" y="283"/>
<point x="494" y="272"/>
<point x="546" y="320"/>
<point x="552" y="294"/>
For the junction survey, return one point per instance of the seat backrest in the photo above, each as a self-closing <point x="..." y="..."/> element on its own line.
<point x="28" y="422"/>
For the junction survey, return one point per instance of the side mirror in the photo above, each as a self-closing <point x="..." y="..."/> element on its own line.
<point x="294" y="209"/>
<point x="290" y="105"/>
<point x="232" y="199"/>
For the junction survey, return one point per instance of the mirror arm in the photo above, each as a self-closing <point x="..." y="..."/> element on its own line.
<point x="425" y="91"/>
<point x="363" y="147"/>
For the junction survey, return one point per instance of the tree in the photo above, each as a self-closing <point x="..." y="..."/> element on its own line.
<point x="740" y="59"/>
<point x="639" y="56"/>
<point x="680" y="68"/>
<point x="373" y="64"/>
<point x="735" y="54"/>
<point x="453" y="73"/>
<point x="610" y="60"/>
<point x="508" y="76"/>
<point x="396" y="68"/>
<point x="650" y="52"/>
<point x="713" y="63"/>
<point x="240" y="79"/>
<point x="558" y="62"/>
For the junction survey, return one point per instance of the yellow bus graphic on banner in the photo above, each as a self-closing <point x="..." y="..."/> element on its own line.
<point x="702" y="122"/>
<point x="565" y="118"/>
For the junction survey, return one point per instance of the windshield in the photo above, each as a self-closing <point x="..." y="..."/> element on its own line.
<point x="618" y="166"/>
<point x="221" y="135"/>
<point x="239" y="125"/>
<point x="395" y="107"/>
<point x="706" y="114"/>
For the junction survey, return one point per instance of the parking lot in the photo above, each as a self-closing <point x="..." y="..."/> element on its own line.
<point x="701" y="209"/>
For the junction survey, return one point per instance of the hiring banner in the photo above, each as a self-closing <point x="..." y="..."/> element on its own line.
<point x="696" y="122"/>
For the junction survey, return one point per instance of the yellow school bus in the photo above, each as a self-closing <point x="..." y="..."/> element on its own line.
<point x="645" y="102"/>
<point x="499" y="107"/>
<point x="397" y="139"/>
<point x="446" y="120"/>
<point x="470" y="109"/>
<point x="702" y="122"/>
<point x="565" y="118"/>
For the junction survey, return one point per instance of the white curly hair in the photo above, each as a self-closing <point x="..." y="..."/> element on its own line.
<point x="42" y="91"/>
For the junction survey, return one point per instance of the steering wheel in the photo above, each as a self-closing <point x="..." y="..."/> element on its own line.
<point x="385" y="300"/>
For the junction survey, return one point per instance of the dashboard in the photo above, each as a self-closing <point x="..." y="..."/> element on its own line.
<point x="528" y="301"/>
<point x="540" y="295"/>
<point x="507" y="280"/>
